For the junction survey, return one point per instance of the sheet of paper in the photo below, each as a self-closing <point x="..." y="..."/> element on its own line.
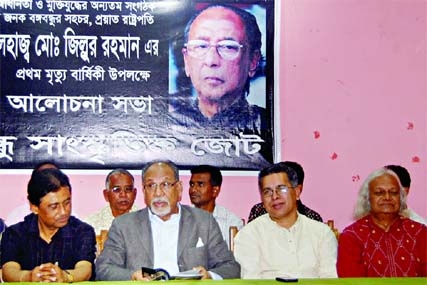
<point x="189" y="274"/>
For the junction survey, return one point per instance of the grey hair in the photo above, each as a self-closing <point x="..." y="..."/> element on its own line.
<point x="363" y="206"/>
<point x="167" y="162"/>
<point x="117" y="171"/>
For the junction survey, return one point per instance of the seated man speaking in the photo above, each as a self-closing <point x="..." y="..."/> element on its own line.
<point x="50" y="245"/>
<point x="165" y="235"/>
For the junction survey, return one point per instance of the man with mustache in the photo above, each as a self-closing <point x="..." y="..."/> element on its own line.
<point x="120" y="193"/>
<point x="283" y="242"/>
<point x="50" y="245"/>
<point x="259" y="210"/>
<point x="165" y="235"/>
<point x="205" y="186"/>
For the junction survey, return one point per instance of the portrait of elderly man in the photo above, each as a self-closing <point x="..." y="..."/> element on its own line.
<point x="221" y="54"/>
<point x="382" y="242"/>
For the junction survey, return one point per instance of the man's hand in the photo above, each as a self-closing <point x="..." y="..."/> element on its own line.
<point x="203" y="271"/>
<point x="137" y="275"/>
<point x="47" y="272"/>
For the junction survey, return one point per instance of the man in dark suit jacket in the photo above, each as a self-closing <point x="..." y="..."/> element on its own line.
<point x="165" y="235"/>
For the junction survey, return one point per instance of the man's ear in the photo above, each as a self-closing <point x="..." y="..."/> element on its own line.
<point x="216" y="190"/>
<point x="406" y="190"/>
<point x="254" y="63"/>
<point x="184" y="53"/>
<point x="179" y="189"/>
<point x="298" y="191"/>
<point x="34" y="209"/>
<point x="105" y="192"/>
<point x="300" y="188"/>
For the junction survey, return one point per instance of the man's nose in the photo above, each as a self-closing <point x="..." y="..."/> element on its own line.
<point x="62" y="209"/>
<point x="212" y="57"/>
<point x="387" y="195"/>
<point x="275" y="195"/>
<point x="158" y="191"/>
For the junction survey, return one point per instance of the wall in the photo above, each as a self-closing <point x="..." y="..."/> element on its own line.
<point x="352" y="85"/>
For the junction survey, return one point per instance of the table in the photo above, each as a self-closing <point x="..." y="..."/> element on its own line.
<point x="337" y="281"/>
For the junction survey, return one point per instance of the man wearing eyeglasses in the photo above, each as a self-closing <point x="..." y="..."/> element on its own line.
<point x="222" y="52"/>
<point x="165" y="235"/>
<point x="284" y="243"/>
<point x="120" y="194"/>
<point x="204" y="188"/>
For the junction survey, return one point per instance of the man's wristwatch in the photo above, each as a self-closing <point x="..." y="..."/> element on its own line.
<point x="70" y="278"/>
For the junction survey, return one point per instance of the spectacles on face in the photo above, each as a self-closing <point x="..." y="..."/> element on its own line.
<point x="126" y="189"/>
<point x="227" y="49"/>
<point x="280" y="190"/>
<point x="164" y="186"/>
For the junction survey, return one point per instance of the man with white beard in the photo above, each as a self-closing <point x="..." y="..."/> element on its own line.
<point x="165" y="235"/>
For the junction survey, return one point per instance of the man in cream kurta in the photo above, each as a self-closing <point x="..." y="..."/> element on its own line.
<point x="266" y="250"/>
<point x="284" y="243"/>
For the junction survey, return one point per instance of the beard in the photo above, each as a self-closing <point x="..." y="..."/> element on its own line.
<point x="162" y="211"/>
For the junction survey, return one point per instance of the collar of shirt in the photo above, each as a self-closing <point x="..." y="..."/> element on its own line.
<point x="173" y="219"/>
<point x="239" y="106"/>
<point x="293" y="228"/>
<point x="192" y="112"/>
<point x="395" y="226"/>
<point x="165" y="241"/>
<point x="215" y="212"/>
